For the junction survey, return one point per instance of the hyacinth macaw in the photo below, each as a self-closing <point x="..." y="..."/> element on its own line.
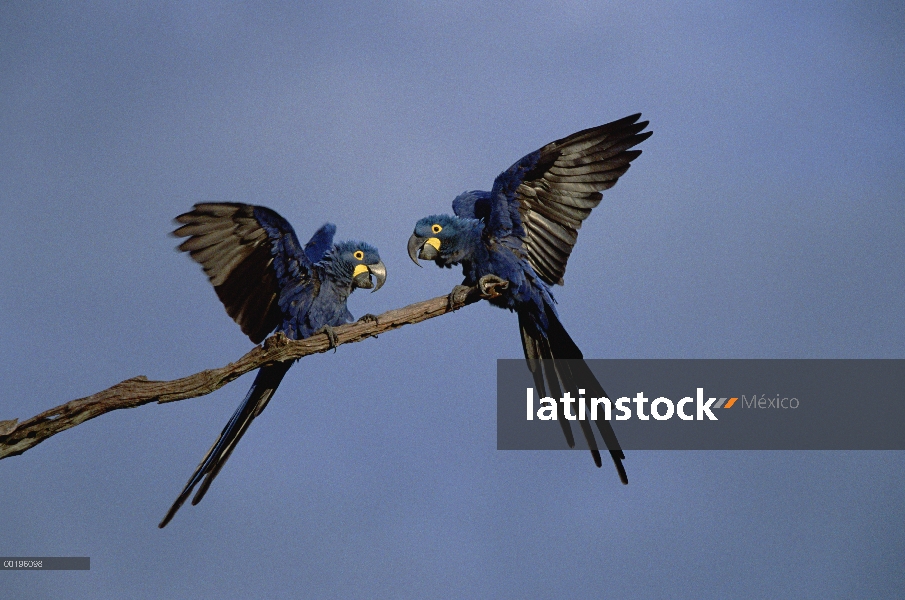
<point x="523" y="231"/>
<point x="267" y="280"/>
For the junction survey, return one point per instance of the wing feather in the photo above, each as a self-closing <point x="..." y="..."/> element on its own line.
<point x="567" y="215"/>
<point x="552" y="197"/>
<point x="246" y="251"/>
<point x="556" y="187"/>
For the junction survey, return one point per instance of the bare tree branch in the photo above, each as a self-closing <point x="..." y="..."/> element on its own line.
<point x="16" y="438"/>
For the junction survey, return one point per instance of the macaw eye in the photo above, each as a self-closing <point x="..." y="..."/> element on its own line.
<point x="436" y="228"/>
<point x="359" y="255"/>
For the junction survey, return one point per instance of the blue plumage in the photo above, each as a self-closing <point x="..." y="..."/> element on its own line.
<point x="267" y="280"/>
<point x="523" y="231"/>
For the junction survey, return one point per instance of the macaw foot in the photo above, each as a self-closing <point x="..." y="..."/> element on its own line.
<point x="457" y="296"/>
<point x="368" y="318"/>
<point x="328" y="331"/>
<point x="490" y="285"/>
<point x="277" y="340"/>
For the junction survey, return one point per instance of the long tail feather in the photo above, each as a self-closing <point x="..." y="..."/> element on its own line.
<point x="265" y="384"/>
<point x="536" y="350"/>
<point x="563" y="366"/>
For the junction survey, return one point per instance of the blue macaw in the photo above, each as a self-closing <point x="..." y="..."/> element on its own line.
<point x="523" y="231"/>
<point x="267" y="281"/>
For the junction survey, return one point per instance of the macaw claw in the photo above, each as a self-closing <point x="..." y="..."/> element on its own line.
<point x="457" y="296"/>
<point x="331" y="335"/>
<point x="491" y="286"/>
<point x="368" y="318"/>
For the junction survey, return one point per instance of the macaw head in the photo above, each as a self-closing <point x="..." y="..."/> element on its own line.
<point x="444" y="239"/>
<point x="356" y="262"/>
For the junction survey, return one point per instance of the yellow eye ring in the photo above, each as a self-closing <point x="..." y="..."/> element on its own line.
<point x="436" y="228"/>
<point x="359" y="255"/>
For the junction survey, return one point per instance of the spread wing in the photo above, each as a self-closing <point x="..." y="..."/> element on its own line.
<point x="544" y="197"/>
<point x="250" y="254"/>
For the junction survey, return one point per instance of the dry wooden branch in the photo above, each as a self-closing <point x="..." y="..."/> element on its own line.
<point x="16" y="438"/>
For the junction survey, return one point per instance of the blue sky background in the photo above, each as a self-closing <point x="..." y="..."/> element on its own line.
<point x="765" y="219"/>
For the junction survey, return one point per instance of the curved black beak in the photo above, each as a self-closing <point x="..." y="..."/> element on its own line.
<point x="427" y="248"/>
<point x="414" y="246"/>
<point x="363" y="279"/>
<point x="379" y="271"/>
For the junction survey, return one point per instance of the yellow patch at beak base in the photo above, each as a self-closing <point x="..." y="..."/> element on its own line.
<point x="434" y="242"/>
<point x="359" y="269"/>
